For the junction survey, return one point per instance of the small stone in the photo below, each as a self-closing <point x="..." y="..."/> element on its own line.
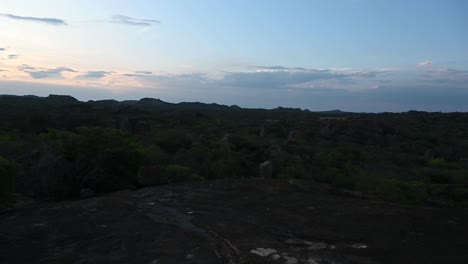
<point x="189" y="256"/>
<point x="316" y="245"/>
<point x="289" y="260"/>
<point x="311" y="261"/>
<point x="275" y="256"/>
<point x="359" y="246"/>
<point x="263" y="252"/>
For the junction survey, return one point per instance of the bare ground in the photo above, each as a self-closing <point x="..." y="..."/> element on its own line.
<point x="232" y="222"/>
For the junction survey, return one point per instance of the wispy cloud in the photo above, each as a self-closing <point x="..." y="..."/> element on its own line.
<point x="94" y="75"/>
<point x="269" y="78"/>
<point x="46" y="20"/>
<point x="133" y="21"/>
<point x="278" y="68"/>
<point x="13" y="56"/>
<point x="377" y="89"/>
<point x="143" y="72"/>
<point x="44" y="73"/>
<point x="25" y="67"/>
<point x="425" y="63"/>
<point x="2" y="49"/>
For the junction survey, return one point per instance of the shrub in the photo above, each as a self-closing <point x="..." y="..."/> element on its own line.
<point x="399" y="191"/>
<point x="172" y="141"/>
<point x="8" y="171"/>
<point x="459" y="194"/>
<point x="339" y="177"/>
<point x="178" y="173"/>
<point x="439" y="163"/>
<point x="104" y="158"/>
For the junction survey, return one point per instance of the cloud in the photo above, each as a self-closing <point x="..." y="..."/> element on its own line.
<point x="133" y="21"/>
<point x="268" y="79"/>
<point x="376" y="90"/>
<point x="2" y="49"/>
<point x="425" y="63"/>
<point x="50" y="21"/>
<point x="280" y="77"/>
<point x="143" y="72"/>
<point x="44" y="73"/>
<point x="273" y="68"/>
<point x="94" y="75"/>
<point x="25" y="67"/>
<point x="13" y="56"/>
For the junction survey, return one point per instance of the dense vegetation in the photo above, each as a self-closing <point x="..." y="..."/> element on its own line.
<point x="55" y="147"/>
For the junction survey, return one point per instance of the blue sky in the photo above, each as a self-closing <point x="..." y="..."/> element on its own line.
<point x="355" y="55"/>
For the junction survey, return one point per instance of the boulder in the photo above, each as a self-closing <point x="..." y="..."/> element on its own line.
<point x="87" y="193"/>
<point x="151" y="175"/>
<point x="265" y="170"/>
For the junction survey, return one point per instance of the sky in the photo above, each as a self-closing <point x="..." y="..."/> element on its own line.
<point x="353" y="55"/>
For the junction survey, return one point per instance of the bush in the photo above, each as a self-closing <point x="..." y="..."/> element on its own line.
<point x="105" y="159"/>
<point x="459" y="194"/>
<point x="399" y="191"/>
<point x="331" y="158"/>
<point x="172" y="141"/>
<point x="8" y="172"/>
<point x="439" y="163"/>
<point x="177" y="173"/>
<point x="339" y="177"/>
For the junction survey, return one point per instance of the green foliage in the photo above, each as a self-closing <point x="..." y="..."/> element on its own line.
<point x="172" y="141"/>
<point x="8" y="172"/>
<point x="108" y="159"/>
<point x="439" y="163"/>
<point x="340" y="177"/>
<point x="459" y="194"/>
<point x="438" y="176"/>
<point x="331" y="158"/>
<point x="64" y="142"/>
<point x="400" y="191"/>
<point x="385" y="154"/>
<point x="177" y="173"/>
<point x="4" y="137"/>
